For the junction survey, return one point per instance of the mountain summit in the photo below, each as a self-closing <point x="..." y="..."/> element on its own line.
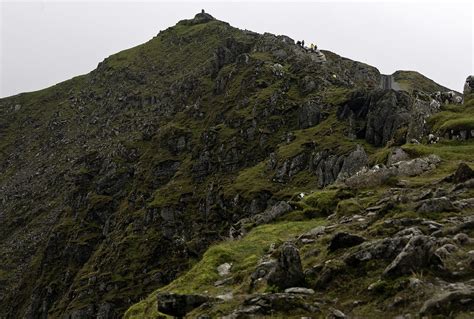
<point x="217" y="172"/>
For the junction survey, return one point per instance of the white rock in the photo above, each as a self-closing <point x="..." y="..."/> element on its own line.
<point x="414" y="282"/>
<point x="299" y="290"/>
<point x="226" y="297"/>
<point x="224" y="269"/>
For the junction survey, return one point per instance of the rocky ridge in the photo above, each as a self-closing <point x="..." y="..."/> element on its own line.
<point x="113" y="184"/>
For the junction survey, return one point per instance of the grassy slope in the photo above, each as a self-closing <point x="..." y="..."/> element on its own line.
<point x="245" y="252"/>
<point x="244" y="255"/>
<point x="163" y="61"/>
<point x="174" y="55"/>
<point x="454" y="117"/>
<point x="412" y="80"/>
<point x="39" y="107"/>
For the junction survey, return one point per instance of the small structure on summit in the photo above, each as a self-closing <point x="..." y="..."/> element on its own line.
<point x="203" y="17"/>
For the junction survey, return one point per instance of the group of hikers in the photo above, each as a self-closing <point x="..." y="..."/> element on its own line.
<point x="313" y="47"/>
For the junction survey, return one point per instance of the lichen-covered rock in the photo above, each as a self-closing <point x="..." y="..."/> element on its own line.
<point x="299" y="290"/>
<point x="436" y="205"/>
<point x="385" y="249"/>
<point x="449" y="302"/>
<point x="224" y="269"/>
<point x="463" y="173"/>
<point x="419" y="252"/>
<point x="309" y="114"/>
<point x="379" y="174"/>
<point x="284" y="272"/>
<point x="397" y="155"/>
<point x="417" y="166"/>
<point x="289" y="271"/>
<point x="353" y="163"/>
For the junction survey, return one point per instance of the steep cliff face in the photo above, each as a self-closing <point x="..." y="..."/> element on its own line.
<point x="113" y="183"/>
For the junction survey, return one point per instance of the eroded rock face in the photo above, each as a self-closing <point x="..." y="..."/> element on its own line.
<point x="436" y="205"/>
<point x="309" y="114"/>
<point x="327" y="167"/>
<point x="397" y="155"/>
<point x="284" y="272"/>
<point x="418" y="253"/>
<point x="289" y="271"/>
<point x="388" y="111"/>
<point x="379" y="174"/>
<point x="179" y="305"/>
<point x="461" y="296"/>
<point x="376" y="116"/>
<point x="384" y="249"/>
<point x="354" y="162"/>
<point x="462" y="174"/>
<point x="422" y="108"/>
<point x="388" y="116"/>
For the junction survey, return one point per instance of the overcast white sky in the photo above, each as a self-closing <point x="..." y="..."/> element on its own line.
<point x="46" y="42"/>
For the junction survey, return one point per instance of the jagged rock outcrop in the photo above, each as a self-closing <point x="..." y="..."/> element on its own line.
<point x="396" y="155"/>
<point x="284" y="272"/>
<point x="376" y="116"/>
<point x="115" y="182"/>
<point x="379" y="174"/>
<point x="384" y="116"/>
<point x="462" y="174"/>
<point x="458" y="298"/>
<point x="289" y="271"/>
<point x="327" y="167"/>
<point x="436" y="205"/>
<point x="418" y="253"/>
<point x="309" y="114"/>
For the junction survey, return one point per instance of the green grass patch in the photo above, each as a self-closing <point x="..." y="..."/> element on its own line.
<point x="244" y="254"/>
<point x="412" y="80"/>
<point x="449" y="150"/>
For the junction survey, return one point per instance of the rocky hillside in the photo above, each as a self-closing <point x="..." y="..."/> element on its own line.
<point x="219" y="172"/>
